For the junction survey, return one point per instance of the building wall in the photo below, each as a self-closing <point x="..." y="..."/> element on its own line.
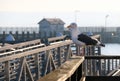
<point x="44" y="26"/>
<point x="57" y="28"/>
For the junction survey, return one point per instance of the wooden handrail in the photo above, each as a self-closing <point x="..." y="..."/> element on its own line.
<point x="7" y="58"/>
<point x="56" y="38"/>
<point x="65" y="71"/>
<point x="19" y="45"/>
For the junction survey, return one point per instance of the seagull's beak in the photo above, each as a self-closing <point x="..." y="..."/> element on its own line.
<point x="69" y="26"/>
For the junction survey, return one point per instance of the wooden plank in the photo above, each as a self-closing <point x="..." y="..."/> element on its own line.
<point x="37" y="41"/>
<point x="56" y="38"/>
<point x="7" y="66"/>
<point x="82" y="79"/>
<point x="113" y="71"/>
<point x="21" y="50"/>
<point x="37" y="66"/>
<point x="117" y="73"/>
<point x="59" y="56"/>
<point x="68" y="53"/>
<point x="65" y="70"/>
<point x="29" y="72"/>
<point x="21" y="69"/>
<point x="7" y="58"/>
<point x="47" y="60"/>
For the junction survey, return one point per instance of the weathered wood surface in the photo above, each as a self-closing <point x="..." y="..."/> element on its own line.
<point x="32" y="64"/>
<point x="20" y="45"/>
<point x="36" y="62"/>
<point x="102" y="65"/>
<point x="83" y="78"/>
<point x="65" y="70"/>
<point x="35" y="51"/>
<point x="56" y="38"/>
<point x="15" y="51"/>
<point x="115" y="72"/>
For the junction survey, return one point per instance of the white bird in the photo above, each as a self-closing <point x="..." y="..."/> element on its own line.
<point x="82" y="39"/>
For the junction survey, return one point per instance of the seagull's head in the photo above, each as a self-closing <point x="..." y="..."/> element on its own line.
<point x="72" y="26"/>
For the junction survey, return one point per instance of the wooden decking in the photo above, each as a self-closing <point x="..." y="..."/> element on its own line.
<point x="65" y="70"/>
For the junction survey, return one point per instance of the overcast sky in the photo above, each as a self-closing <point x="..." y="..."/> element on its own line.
<point x="84" y="12"/>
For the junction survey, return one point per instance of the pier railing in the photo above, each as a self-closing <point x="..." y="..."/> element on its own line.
<point x="101" y="65"/>
<point x="96" y="64"/>
<point x="61" y="59"/>
<point x="10" y="49"/>
<point x="35" y="63"/>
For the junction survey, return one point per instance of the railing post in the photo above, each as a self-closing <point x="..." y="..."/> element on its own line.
<point x="3" y="38"/>
<point x="79" y="72"/>
<point x="77" y="50"/>
<point x="40" y="36"/>
<point x="23" y="36"/>
<point x="59" y="56"/>
<point x="28" y="35"/>
<point x="16" y="36"/>
<point x="7" y="70"/>
<point x="34" y="35"/>
<point x="24" y="71"/>
<point x="68" y="53"/>
<point x="37" y="66"/>
<point x="108" y="66"/>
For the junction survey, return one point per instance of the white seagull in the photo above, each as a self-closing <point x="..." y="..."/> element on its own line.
<point x="82" y="39"/>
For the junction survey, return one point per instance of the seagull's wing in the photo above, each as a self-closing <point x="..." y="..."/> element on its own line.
<point x="86" y="39"/>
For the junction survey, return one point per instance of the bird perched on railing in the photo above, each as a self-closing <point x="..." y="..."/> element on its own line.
<point x="82" y="39"/>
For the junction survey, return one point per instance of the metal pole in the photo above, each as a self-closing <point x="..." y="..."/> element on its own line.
<point x="106" y="20"/>
<point x="76" y="11"/>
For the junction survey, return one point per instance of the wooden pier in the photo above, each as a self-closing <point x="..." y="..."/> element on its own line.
<point x="58" y="61"/>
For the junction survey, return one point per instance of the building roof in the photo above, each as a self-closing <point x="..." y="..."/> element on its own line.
<point x="9" y="37"/>
<point x="53" y="20"/>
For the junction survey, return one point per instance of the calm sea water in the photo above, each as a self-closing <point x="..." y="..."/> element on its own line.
<point x="111" y="49"/>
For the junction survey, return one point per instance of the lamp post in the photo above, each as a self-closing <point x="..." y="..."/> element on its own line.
<point x="106" y="16"/>
<point x="76" y="11"/>
<point x="106" y="20"/>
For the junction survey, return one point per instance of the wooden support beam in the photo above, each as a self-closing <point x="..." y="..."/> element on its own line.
<point x="24" y="71"/>
<point x="7" y="71"/>
<point x="59" y="56"/>
<point x="29" y="72"/>
<point x="20" y="69"/>
<point x="49" y="63"/>
<point x="68" y="53"/>
<point x="82" y="79"/>
<point x="52" y="61"/>
<point x="37" y="69"/>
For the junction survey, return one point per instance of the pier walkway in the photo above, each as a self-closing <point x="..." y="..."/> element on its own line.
<point x="61" y="60"/>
